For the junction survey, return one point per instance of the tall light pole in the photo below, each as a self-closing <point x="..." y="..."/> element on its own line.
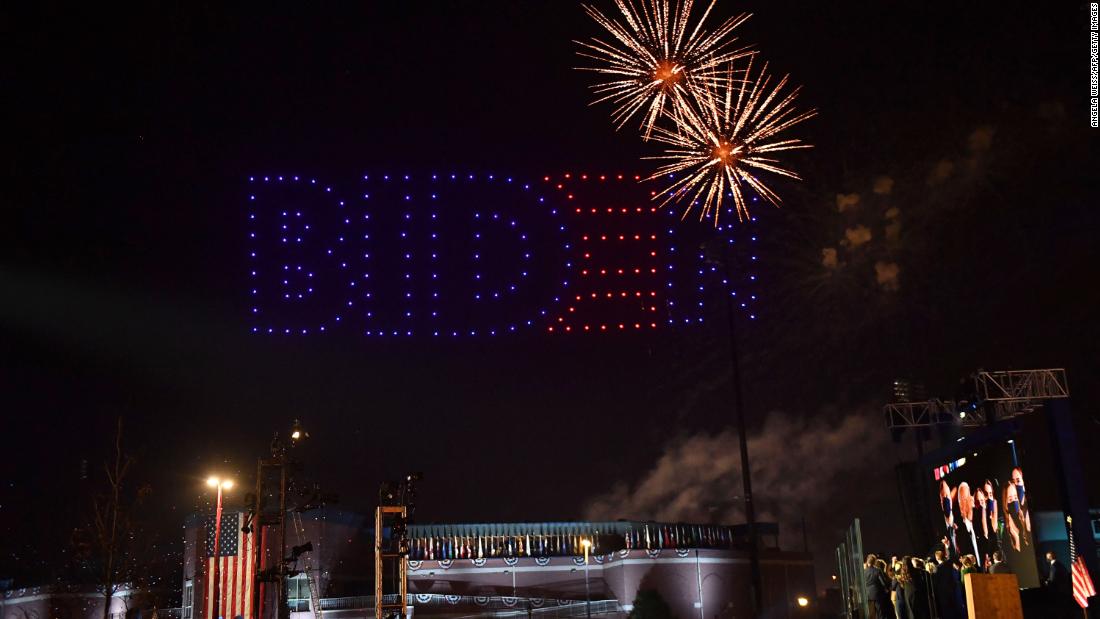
<point x="586" y="543"/>
<point x="220" y="484"/>
<point x="742" y="439"/>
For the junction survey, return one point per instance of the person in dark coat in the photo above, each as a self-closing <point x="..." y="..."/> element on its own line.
<point x="945" y="584"/>
<point x="886" y="605"/>
<point x="999" y="566"/>
<point x="1058" y="585"/>
<point x="914" y="583"/>
<point x="1056" y="577"/>
<point x="878" y="589"/>
<point x="897" y="592"/>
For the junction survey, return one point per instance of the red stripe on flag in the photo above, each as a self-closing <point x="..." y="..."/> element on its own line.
<point x="227" y="585"/>
<point x="234" y="587"/>
<point x="249" y="576"/>
<point x="249" y="573"/>
<point x="1083" y="588"/>
<point x="208" y="589"/>
<point x="238" y="587"/>
<point x="223" y="585"/>
<point x="231" y="579"/>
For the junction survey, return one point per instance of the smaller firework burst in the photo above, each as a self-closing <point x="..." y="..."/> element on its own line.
<point x="718" y="145"/>
<point x="656" y="62"/>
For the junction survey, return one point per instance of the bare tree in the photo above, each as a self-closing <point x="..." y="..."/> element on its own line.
<point x="114" y="533"/>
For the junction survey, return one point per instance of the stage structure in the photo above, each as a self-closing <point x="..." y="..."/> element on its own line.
<point x="982" y="420"/>
<point x="996" y="396"/>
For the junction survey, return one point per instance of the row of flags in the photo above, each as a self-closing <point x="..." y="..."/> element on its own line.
<point x="647" y="537"/>
<point x="658" y="536"/>
<point x="444" y="547"/>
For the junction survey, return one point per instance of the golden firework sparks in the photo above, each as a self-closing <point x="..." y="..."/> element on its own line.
<point x="656" y="60"/>
<point x="718" y="144"/>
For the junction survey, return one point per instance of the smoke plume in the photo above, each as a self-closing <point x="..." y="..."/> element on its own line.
<point x="825" y="468"/>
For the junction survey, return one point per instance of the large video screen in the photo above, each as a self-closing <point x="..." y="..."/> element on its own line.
<point x="983" y="507"/>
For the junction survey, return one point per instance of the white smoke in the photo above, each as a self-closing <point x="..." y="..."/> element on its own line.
<point x="827" y="468"/>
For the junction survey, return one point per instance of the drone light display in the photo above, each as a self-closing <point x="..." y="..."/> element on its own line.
<point x="466" y="255"/>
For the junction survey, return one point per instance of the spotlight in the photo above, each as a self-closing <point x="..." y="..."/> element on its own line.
<point x="297" y="432"/>
<point x="803" y="601"/>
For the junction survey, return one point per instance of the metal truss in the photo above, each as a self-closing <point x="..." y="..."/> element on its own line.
<point x="1007" y="394"/>
<point x="1018" y="385"/>
<point x="918" y="414"/>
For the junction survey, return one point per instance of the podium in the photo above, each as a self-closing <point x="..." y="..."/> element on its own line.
<point x="993" y="596"/>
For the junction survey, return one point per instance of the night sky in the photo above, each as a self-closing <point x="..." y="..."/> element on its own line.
<point x="130" y="136"/>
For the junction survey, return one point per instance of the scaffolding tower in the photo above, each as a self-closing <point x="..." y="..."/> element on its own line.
<point x="390" y="558"/>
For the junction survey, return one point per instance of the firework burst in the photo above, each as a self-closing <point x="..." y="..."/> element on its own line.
<point x="718" y="145"/>
<point x="656" y="61"/>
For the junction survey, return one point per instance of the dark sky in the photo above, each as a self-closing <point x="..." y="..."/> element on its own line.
<point x="130" y="134"/>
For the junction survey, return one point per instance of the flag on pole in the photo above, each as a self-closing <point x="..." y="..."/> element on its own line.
<point x="236" y="568"/>
<point x="1082" y="583"/>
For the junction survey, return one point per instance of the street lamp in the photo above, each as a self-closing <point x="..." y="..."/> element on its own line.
<point x="220" y="484"/>
<point x="803" y="601"/>
<point x="586" y="544"/>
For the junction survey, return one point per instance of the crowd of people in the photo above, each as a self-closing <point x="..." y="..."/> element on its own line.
<point x="932" y="588"/>
<point x="916" y="588"/>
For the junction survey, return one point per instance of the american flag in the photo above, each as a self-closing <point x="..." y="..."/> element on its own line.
<point x="236" y="571"/>
<point x="1082" y="583"/>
